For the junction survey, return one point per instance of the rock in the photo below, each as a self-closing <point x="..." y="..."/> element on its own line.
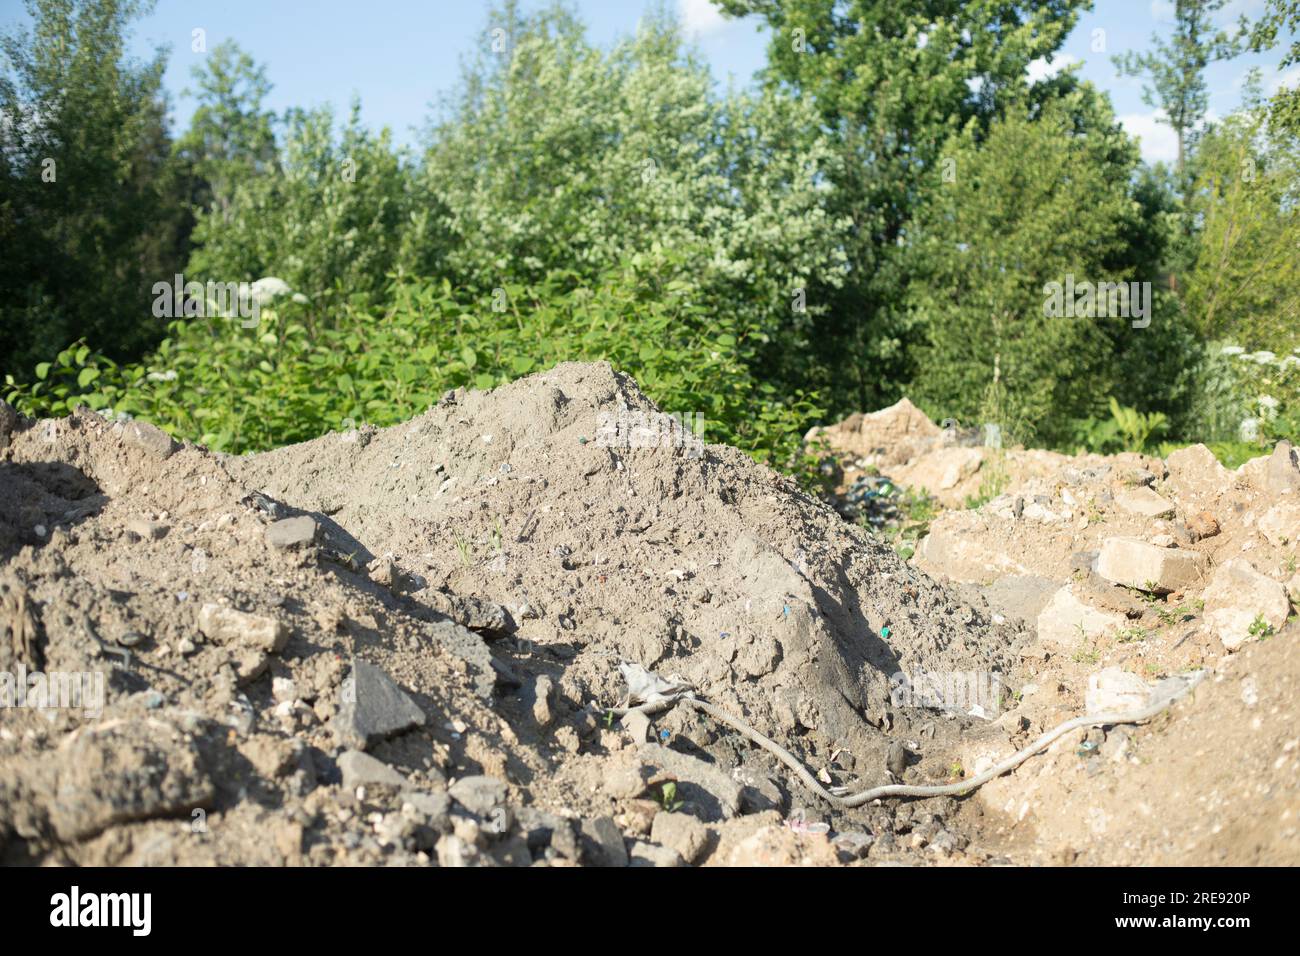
<point x="146" y="530"/>
<point x="890" y="436"/>
<point x="473" y="613"/>
<point x="1138" y="564"/>
<point x="602" y="842"/>
<point x="291" y="532"/>
<point x="1163" y="540"/>
<point x="1113" y="690"/>
<point x="362" y="770"/>
<point x="1067" y="622"/>
<point x="150" y="439"/>
<point x="1237" y="596"/>
<point x="1293" y="589"/>
<point x="543" y="829"/>
<point x="942" y="472"/>
<point x="1021" y="597"/>
<point x="759" y="791"/>
<point x="373" y="708"/>
<point x="687" y="836"/>
<point x="543" y="688"/>
<point x="1146" y="502"/>
<point x="650" y="854"/>
<point x="625" y="780"/>
<point x="779" y="846"/>
<point x="120" y="772"/>
<point x="1202" y="525"/>
<point x="1194" y="473"/>
<point x="283" y="690"/>
<point x="853" y="845"/>
<point x="225" y="625"/>
<point x="1283" y="473"/>
<point x="896" y="759"/>
<point x="706" y="790"/>
<point x="480" y="795"/>
<point x="1281" y="523"/>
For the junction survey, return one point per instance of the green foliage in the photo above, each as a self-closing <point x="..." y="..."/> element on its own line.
<point x="1281" y="17"/>
<point x="327" y="218"/>
<point x="895" y="80"/>
<point x="1043" y="197"/>
<point x="287" y="380"/>
<point x="89" y="209"/>
<point x="1244" y="283"/>
<point x="559" y="156"/>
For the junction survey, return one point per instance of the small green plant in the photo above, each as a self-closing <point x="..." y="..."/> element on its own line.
<point x="668" y="797"/>
<point x="1135" y="428"/>
<point x="1133" y="634"/>
<point x="464" y="549"/>
<point x="497" y="534"/>
<point x="1089" y="655"/>
<point x="1260" y="629"/>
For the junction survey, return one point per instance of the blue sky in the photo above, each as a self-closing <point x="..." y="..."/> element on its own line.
<point x="399" y="55"/>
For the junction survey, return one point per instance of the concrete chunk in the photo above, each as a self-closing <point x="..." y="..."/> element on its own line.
<point x="1137" y="564"/>
<point x="1237" y="597"/>
<point x="1067" y="622"/>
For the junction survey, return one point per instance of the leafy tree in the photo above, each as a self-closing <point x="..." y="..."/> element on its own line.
<point x="1244" y="284"/>
<point x="327" y="217"/>
<point x="559" y="156"/>
<point x="1281" y="16"/>
<point x="88" y="214"/>
<point x="1176" y="67"/>
<point x="231" y="138"/>
<point x="894" y="80"/>
<point x="1043" y="197"/>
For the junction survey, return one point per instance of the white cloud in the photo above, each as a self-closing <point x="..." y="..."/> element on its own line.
<point x="1287" y="79"/>
<point x="700" y="17"/>
<point x="1042" y="69"/>
<point x="1158" y="140"/>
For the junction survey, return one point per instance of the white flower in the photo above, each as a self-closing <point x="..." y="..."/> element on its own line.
<point x="1232" y="350"/>
<point x="1267" y="401"/>
<point x="1249" y="429"/>
<point x="1263" y="357"/>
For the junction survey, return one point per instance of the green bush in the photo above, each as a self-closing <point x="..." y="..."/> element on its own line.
<point x="238" y="389"/>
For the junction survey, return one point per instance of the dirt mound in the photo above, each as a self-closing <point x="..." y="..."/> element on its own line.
<point x="398" y="645"/>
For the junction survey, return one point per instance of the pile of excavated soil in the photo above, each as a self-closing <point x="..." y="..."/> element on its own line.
<point x="1129" y="570"/>
<point x="399" y="646"/>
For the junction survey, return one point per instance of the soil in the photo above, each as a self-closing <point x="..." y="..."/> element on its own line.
<point x="400" y="646"/>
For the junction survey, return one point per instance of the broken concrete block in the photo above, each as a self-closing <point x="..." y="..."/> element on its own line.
<point x="1146" y="502"/>
<point x="1283" y="473"/>
<point x="1137" y="564"/>
<point x="1237" y="597"/>
<point x="373" y="708"/>
<point x="225" y="625"/>
<point x="291" y="532"/>
<point x="1113" y="690"/>
<point x="1194" y="473"/>
<point x="1281" y="523"/>
<point x="1067" y="622"/>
